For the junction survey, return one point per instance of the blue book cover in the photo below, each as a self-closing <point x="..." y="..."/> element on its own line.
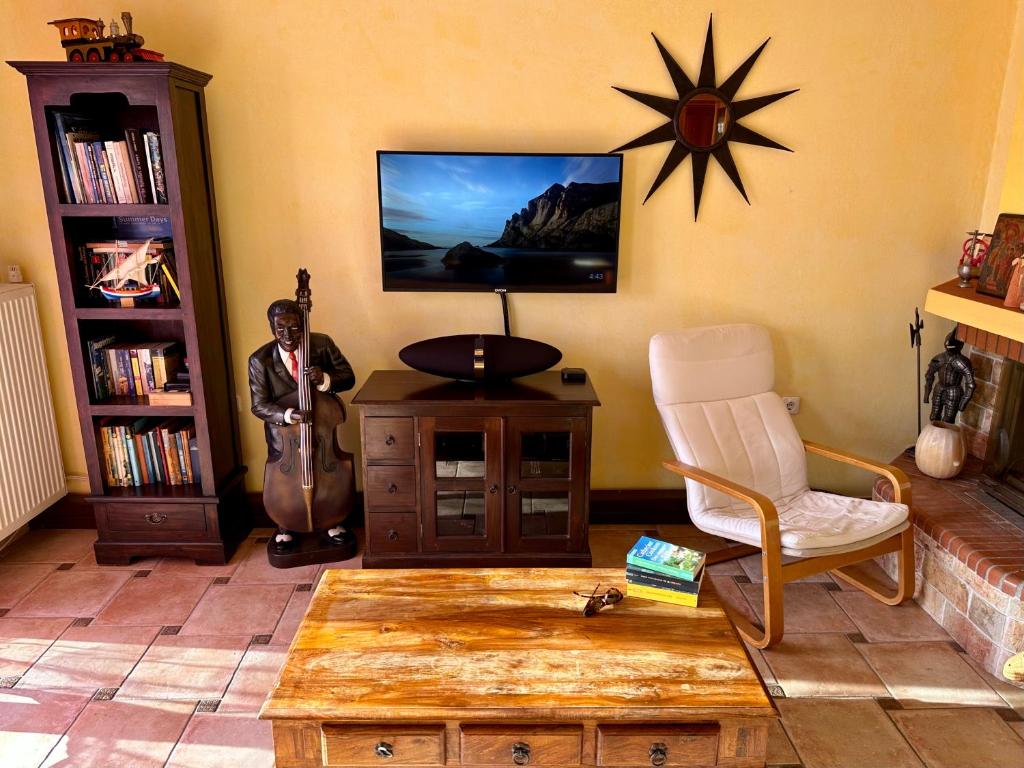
<point x="132" y="456"/>
<point x="666" y="558"/>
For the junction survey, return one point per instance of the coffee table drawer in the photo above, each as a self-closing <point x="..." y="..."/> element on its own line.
<point x="383" y="744"/>
<point x="514" y="745"/>
<point x="687" y="746"/>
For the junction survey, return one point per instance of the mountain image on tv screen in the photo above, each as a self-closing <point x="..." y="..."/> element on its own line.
<point x="474" y="222"/>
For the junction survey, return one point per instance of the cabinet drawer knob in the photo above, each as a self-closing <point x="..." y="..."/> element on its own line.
<point x="521" y="753"/>
<point x="392" y="534"/>
<point x="512" y="489"/>
<point x="389" y="440"/>
<point x="493" y="489"/>
<point x="155" y="518"/>
<point x="392" y="489"/>
<point x="384" y="750"/>
<point x="659" y="754"/>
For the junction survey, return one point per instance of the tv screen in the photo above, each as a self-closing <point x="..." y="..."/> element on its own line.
<point x="476" y="222"/>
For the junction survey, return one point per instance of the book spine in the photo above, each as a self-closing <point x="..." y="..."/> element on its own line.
<point x="106" y="192"/>
<point x="159" y="182"/>
<point x="96" y="366"/>
<point x="193" y="452"/>
<point x="129" y="442"/>
<point x="135" y="156"/>
<point x="171" y="457"/>
<point x="186" y="441"/>
<point x="158" y="436"/>
<point x="122" y="465"/>
<point x="179" y="444"/>
<point x="115" y="177"/>
<point x="158" y="466"/>
<point x="64" y="155"/>
<point x="140" y="388"/>
<point x="159" y="369"/>
<point x="88" y="175"/>
<point x="141" y="455"/>
<point x="661" y="595"/>
<point x="684" y="587"/>
<point x="124" y="164"/>
<point x="665" y="569"/>
<point x="146" y="362"/>
<point x="108" y="459"/>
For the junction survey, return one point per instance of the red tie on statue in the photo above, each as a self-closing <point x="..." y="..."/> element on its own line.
<point x="293" y="363"/>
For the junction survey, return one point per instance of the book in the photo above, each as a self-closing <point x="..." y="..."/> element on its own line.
<point x="102" y="384"/>
<point x="647" y="578"/>
<point x="156" y="169"/>
<point x="661" y="595"/>
<point x="166" y="397"/>
<point x="134" y="149"/>
<point x="670" y="559"/>
<point x="193" y="453"/>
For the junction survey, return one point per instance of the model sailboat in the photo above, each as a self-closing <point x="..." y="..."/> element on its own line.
<point x="114" y="283"/>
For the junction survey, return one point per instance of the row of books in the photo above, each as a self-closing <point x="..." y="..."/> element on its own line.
<point x="133" y="368"/>
<point x="96" y="259"/>
<point x="149" y="450"/>
<point x="97" y="170"/>
<point x="664" y="572"/>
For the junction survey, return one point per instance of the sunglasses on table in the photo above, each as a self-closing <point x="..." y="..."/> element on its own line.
<point x="596" y="602"/>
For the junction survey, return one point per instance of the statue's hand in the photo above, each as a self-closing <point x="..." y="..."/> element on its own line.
<point x="301" y="417"/>
<point x="316" y="376"/>
<point x="927" y="398"/>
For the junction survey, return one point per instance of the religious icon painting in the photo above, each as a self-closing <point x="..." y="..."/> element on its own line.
<point x="1007" y="244"/>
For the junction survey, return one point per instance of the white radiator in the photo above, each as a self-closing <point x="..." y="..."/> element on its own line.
<point x="31" y="471"/>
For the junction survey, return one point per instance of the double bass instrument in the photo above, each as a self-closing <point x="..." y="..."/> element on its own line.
<point x="310" y="486"/>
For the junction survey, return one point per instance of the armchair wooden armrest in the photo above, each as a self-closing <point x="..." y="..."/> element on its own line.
<point x="895" y="475"/>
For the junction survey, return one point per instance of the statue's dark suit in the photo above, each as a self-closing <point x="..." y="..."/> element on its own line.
<point x="269" y="380"/>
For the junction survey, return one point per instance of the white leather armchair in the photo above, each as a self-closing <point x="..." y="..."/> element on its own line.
<point x="746" y="471"/>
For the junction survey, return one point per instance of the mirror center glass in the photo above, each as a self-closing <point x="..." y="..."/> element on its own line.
<point x="703" y="120"/>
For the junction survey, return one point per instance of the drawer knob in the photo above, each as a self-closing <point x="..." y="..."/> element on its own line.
<point x="383" y="750"/>
<point x="521" y="753"/>
<point x="493" y="489"/>
<point x="392" y="489"/>
<point x="389" y="440"/>
<point x="155" y="518"/>
<point x="392" y="534"/>
<point x="512" y="489"/>
<point x="659" y="754"/>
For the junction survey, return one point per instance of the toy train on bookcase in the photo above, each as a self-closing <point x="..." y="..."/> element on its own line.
<point x="84" y="40"/>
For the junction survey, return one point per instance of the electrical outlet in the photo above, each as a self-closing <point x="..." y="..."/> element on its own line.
<point x="792" y="405"/>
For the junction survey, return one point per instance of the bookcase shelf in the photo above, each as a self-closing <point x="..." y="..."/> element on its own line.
<point x="205" y="520"/>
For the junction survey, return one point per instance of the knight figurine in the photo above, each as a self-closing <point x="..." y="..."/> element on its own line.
<point x="956" y="381"/>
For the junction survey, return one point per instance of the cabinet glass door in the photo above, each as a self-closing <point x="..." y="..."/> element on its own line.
<point x="461" y="468"/>
<point x="545" y="501"/>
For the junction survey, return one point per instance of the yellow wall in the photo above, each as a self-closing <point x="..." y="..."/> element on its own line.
<point x="1012" y="198"/>
<point x="892" y="131"/>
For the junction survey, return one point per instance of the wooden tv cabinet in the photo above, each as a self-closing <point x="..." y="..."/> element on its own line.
<point x="461" y="474"/>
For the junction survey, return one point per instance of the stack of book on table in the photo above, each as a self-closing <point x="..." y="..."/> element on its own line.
<point x="658" y="570"/>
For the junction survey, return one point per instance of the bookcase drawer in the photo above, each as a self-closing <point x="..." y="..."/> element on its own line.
<point x="390" y="487"/>
<point x="383" y="744"/>
<point x="685" y="746"/>
<point x="389" y="440"/>
<point x="527" y="744"/>
<point x="154" y="518"/>
<point x="392" y="532"/>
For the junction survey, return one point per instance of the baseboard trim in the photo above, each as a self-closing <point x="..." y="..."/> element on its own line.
<point x="643" y="506"/>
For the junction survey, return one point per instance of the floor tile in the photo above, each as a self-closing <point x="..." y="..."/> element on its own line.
<point x="88" y="563"/>
<point x="780" y="749"/>
<point x="728" y="568"/>
<point x="118" y="734"/>
<point x="255" y="676"/>
<point x="751" y="565"/>
<point x="184" y="566"/>
<point x="961" y="738"/>
<point x="824" y="665"/>
<point x="256" y="569"/>
<point x="22" y="641"/>
<point x="693" y="537"/>
<point x="50" y="546"/>
<point x="218" y="740"/>
<point x="157" y="600"/>
<point x="609" y="548"/>
<point x="350" y="564"/>
<point x="879" y="622"/>
<point x="90" y="657"/>
<point x="1011" y="694"/>
<point x="177" y="667"/>
<point x="18" y="579"/>
<point x="70" y="593"/>
<point x="32" y="722"/>
<point x="238" y="610"/>
<point x="806" y="608"/>
<point x="844" y="733"/>
<point x="866" y="568"/>
<point x="756" y="656"/>
<point x="732" y="596"/>
<point x="291" y="618"/>
<point x="928" y="675"/>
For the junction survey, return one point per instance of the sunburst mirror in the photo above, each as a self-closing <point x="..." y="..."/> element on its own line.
<point x="703" y="119"/>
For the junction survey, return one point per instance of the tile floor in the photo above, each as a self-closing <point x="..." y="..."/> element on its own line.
<point x="165" y="663"/>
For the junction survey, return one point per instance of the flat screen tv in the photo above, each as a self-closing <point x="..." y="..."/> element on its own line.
<point x="477" y="222"/>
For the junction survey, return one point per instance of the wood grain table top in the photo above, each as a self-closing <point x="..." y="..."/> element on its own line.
<point x="508" y="644"/>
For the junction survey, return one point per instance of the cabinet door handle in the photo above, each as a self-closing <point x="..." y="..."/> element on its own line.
<point x="392" y="489"/>
<point x="493" y="489"/>
<point x="521" y="753"/>
<point x="389" y="440"/>
<point x="155" y="518"/>
<point x="384" y="750"/>
<point x="392" y="534"/>
<point x="659" y="754"/>
<point x="512" y="489"/>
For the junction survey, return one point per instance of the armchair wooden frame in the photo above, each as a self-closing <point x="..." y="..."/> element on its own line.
<point x="777" y="574"/>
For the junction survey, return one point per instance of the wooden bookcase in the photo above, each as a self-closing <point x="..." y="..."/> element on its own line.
<point x="204" y="520"/>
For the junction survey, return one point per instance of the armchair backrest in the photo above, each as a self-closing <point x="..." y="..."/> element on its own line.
<point x="713" y="388"/>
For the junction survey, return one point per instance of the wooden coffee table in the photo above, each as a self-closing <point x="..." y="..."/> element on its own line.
<point x="498" y="667"/>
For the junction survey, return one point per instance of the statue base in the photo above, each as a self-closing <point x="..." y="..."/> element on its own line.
<point x="311" y="549"/>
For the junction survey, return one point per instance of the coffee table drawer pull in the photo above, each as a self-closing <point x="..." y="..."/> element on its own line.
<point x="521" y="753"/>
<point x="380" y="744"/>
<point x="659" y="754"/>
<point x="384" y="751"/>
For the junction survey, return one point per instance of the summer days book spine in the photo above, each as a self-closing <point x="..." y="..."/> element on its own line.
<point x="670" y="559"/>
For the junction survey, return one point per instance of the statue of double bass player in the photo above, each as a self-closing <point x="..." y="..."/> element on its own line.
<point x="309" y="480"/>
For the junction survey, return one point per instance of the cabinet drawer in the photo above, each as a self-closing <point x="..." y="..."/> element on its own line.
<point x="391" y="532"/>
<point x="687" y="746"/>
<point x="371" y="744"/>
<point x="390" y="487"/>
<point x="533" y="745"/>
<point x="389" y="440"/>
<point x="155" y="518"/>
